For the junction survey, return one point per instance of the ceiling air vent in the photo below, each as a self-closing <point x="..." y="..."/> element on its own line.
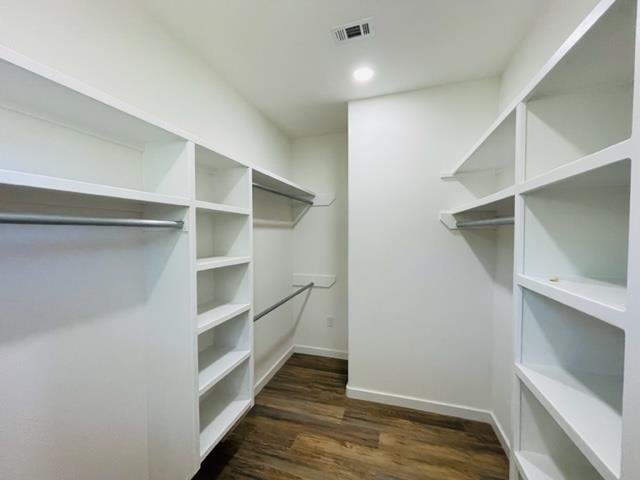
<point x="353" y="31"/>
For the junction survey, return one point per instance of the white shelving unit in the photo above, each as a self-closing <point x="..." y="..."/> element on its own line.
<point x="222" y="311"/>
<point x="172" y="309"/>
<point x="574" y="135"/>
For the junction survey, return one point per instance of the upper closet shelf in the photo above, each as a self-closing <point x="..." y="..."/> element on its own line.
<point x="607" y="34"/>
<point x="494" y="151"/>
<point x="499" y="203"/>
<point x="31" y="182"/>
<point x="42" y="93"/>
<point x="589" y="168"/>
<point x="271" y="181"/>
<point x="221" y="208"/>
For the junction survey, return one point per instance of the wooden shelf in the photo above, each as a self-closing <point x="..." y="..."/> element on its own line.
<point x="48" y="95"/>
<point x="495" y="150"/>
<point x="216" y="363"/>
<point x="581" y="405"/>
<point x="211" y="263"/>
<point x="220" y="208"/>
<point x="535" y="466"/>
<point x="599" y="52"/>
<point x="590" y="168"/>
<point x="212" y="315"/>
<point x="605" y="301"/>
<point x="596" y="170"/>
<point x="54" y="184"/>
<point x="217" y="416"/>
<point x="600" y="35"/>
<point x="276" y="182"/>
<point x="501" y="202"/>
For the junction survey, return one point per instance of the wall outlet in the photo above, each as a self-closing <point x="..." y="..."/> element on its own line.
<point x="330" y="321"/>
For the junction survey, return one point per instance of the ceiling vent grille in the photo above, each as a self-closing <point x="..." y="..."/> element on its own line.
<point x="353" y="31"/>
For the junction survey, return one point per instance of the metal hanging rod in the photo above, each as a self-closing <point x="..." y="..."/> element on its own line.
<point x="489" y="222"/>
<point x="281" y="302"/>
<point x="282" y="194"/>
<point x="38" y="219"/>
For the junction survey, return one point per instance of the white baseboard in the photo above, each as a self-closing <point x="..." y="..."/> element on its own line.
<point x="321" y="352"/>
<point x="501" y="434"/>
<point x="273" y="370"/>
<point x="441" y="408"/>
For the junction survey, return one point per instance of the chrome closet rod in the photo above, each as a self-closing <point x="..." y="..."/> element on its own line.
<point x="489" y="222"/>
<point x="39" y="219"/>
<point x="288" y="195"/>
<point x="281" y="302"/>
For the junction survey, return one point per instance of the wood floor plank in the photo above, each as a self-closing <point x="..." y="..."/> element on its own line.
<point x="304" y="428"/>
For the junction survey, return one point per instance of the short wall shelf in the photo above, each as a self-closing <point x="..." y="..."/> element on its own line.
<point x="587" y="418"/>
<point x="17" y="179"/>
<point x="587" y="167"/>
<point x="601" y="300"/>
<point x="494" y="150"/>
<point x="216" y="363"/>
<point x="217" y="417"/>
<point x="536" y="466"/>
<point x="212" y="315"/>
<point x="211" y="263"/>
<point x="275" y="182"/>
<point x="501" y="203"/>
<point x="220" y="208"/>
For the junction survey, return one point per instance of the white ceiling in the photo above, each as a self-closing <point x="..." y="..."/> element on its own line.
<point x="280" y="55"/>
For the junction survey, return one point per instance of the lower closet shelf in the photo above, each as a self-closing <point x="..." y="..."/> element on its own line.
<point x="212" y="315"/>
<point x="582" y="405"/>
<point x="535" y="466"/>
<point x="216" y="363"/>
<point x="602" y="300"/>
<point x="219" y="262"/>
<point x="217" y="417"/>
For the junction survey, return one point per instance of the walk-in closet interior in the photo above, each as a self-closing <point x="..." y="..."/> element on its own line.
<point x="306" y="240"/>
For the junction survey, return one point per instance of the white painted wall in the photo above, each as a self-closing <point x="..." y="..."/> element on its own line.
<point x="320" y="244"/>
<point x="547" y="34"/>
<point x="117" y="48"/>
<point x="273" y="268"/>
<point x="420" y="296"/>
<point x="503" y="324"/>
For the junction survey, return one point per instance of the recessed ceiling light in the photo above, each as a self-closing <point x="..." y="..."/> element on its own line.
<point x="363" y="74"/>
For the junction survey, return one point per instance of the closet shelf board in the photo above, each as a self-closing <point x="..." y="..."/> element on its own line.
<point x="212" y="315"/>
<point x="605" y="301"/>
<point x="276" y="182"/>
<point x="535" y="466"/>
<point x="586" y="168"/>
<point x="495" y="145"/>
<point x="217" y="417"/>
<point x="43" y="182"/>
<point x="221" y="208"/>
<point x="211" y="263"/>
<point x="54" y="97"/>
<point x="496" y="201"/>
<point x="546" y="80"/>
<point x="583" y="413"/>
<point x="218" y="363"/>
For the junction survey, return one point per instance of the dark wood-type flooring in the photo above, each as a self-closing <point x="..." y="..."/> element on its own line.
<point x="304" y="427"/>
